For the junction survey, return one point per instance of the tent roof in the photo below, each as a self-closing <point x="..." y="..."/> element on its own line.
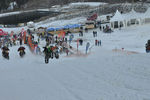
<point x="64" y="27"/>
<point x="147" y="13"/>
<point x="50" y="29"/>
<point x="117" y="17"/>
<point x="133" y="15"/>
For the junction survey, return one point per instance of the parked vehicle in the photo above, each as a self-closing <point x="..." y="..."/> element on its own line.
<point x="90" y="24"/>
<point x="21" y="51"/>
<point x="92" y="17"/>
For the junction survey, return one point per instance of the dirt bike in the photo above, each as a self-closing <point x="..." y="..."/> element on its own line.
<point x="5" y="54"/>
<point x="147" y="46"/>
<point x="46" y="59"/>
<point x="22" y="53"/>
<point x="48" y="56"/>
<point x="56" y="55"/>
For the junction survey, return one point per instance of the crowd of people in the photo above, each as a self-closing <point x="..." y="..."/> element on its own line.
<point x="9" y="41"/>
<point x="54" y="44"/>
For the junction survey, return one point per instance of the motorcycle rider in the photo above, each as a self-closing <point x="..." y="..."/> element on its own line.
<point x="21" y="51"/>
<point x="5" y="52"/>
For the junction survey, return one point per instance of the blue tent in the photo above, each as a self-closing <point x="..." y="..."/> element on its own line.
<point x="72" y="26"/>
<point x="50" y="29"/>
<point x="58" y="28"/>
<point x="66" y="27"/>
<point x="76" y="25"/>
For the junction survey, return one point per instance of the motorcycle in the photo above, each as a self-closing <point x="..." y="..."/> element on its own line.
<point x="47" y="59"/>
<point x="56" y="54"/>
<point x="147" y="46"/>
<point x="48" y="55"/>
<point x="5" y="54"/>
<point x="22" y="53"/>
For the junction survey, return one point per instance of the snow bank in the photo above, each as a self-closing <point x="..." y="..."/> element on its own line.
<point x="104" y="75"/>
<point x="93" y="4"/>
<point x="59" y="23"/>
<point x="10" y="13"/>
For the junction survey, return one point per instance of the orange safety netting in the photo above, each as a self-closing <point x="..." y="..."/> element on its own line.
<point x="31" y="45"/>
<point x="24" y="37"/>
<point x="61" y="34"/>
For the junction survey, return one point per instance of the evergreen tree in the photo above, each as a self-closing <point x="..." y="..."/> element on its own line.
<point x="21" y="2"/>
<point x="4" y="4"/>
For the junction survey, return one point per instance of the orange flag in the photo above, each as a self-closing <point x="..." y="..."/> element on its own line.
<point x="61" y="34"/>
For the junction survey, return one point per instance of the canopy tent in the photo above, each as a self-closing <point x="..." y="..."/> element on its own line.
<point x="75" y="28"/>
<point x="117" y="20"/>
<point x="147" y="16"/>
<point x="67" y="27"/>
<point x="76" y="25"/>
<point x="133" y="17"/>
<point x="58" y="28"/>
<point x="50" y="29"/>
<point x="117" y="17"/>
<point x="147" y="13"/>
<point x="71" y="26"/>
<point x="2" y="33"/>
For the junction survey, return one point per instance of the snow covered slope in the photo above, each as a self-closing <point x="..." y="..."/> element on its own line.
<point x="104" y="75"/>
<point x="107" y="73"/>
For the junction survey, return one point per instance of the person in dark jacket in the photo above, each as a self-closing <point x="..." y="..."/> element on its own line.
<point x="81" y="42"/>
<point x="46" y="52"/>
<point x="99" y="43"/>
<point x="20" y="40"/>
<point x="5" y="52"/>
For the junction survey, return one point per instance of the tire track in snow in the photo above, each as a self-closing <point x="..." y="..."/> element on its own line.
<point x="63" y="86"/>
<point x="95" y="76"/>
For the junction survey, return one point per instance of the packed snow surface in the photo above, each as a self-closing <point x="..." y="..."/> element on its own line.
<point x="87" y="3"/>
<point x="105" y="73"/>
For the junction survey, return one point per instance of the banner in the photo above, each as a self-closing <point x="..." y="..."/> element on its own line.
<point x="62" y="34"/>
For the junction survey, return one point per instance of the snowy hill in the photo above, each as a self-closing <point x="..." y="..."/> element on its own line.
<point x="107" y="72"/>
<point x="103" y="75"/>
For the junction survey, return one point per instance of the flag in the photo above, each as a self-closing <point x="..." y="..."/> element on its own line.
<point x="12" y="33"/>
<point x="61" y="34"/>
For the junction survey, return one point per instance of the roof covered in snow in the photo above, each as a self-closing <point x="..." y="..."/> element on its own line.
<point x="147" y="13"/>
<point x="133" y="15"/>
<point x="117" y="17"/>
<point x="87" y="3"/>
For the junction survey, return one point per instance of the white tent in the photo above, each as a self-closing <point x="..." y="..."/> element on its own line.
<point x="147" y="13"/>
<point x="117" y="17"/>
<point x="133" y="18"/>
<point x="117" y="20"/>
<point x="147" y="16"/>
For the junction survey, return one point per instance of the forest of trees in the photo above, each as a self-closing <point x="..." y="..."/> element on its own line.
<point x="4" y="4"/>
